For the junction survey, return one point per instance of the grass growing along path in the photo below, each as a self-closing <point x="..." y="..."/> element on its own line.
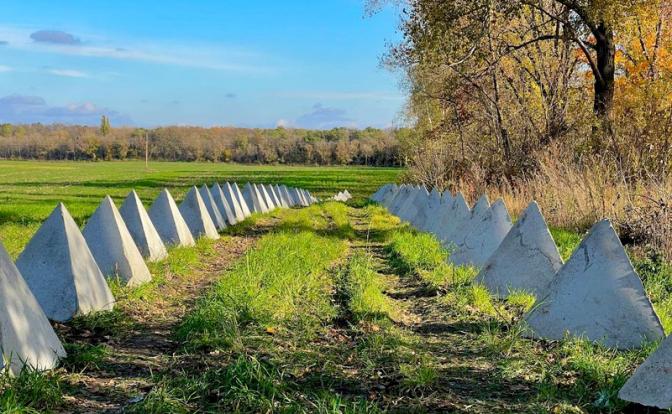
<point x="328" y="309"/>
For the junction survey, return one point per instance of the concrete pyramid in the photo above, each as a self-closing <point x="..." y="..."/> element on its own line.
<point x="213" y="209"/>
<point x="428" y="211"/>
<point x="282" y="197"/>
<point x="241" y="200"/>
<point x="451" y="218"/>
<point x="113" y="246"/>
<point x="196" y="215"/>
<point x="287" y="195"/>
<point x="60" y="270"/>
<point x="274" y="195"/>
<point x="387" y="197"/>
<point x="252" y="198"/>
<point x="142" y="229"/>
<point x="26" y="336"/>
<point x="651" y="384"/>
<point x="296" y="196"/>
<point x="527" y="259"/>
<point x="231" y="212"/>
<point x="266" y="196"/>
<point x="169" y="222"/>
<point x="481" y="206"/>
<point x="415" y="204"/>
<point x="401" y="199"/>
<point x="597" y="295"/>
<point x="304" y="197"/>
<point x="236" y="208"/>
<point x="465" y="227"/>
<point x="398" y="195"/>
<point x="378" y="195"/>
<point x="447" y="197"/>
<point x="484" y="237"/>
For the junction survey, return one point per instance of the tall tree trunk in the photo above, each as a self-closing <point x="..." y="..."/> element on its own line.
<point x="604" y="85"/>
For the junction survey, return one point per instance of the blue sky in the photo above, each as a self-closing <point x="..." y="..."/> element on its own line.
<point x="251" y="63"/>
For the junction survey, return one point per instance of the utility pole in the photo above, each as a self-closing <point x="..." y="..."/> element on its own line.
<point x="146" y="150"/>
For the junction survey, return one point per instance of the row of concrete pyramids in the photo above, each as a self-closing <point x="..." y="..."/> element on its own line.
<point x="596" y="295"/>
<point x="61" y="272"/>
<point x="342" y="196"/>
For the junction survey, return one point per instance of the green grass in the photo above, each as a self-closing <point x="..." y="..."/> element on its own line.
<point x="280" y="284"/>
<point x="421" y="254"/>
<point x="31" y="189"/>
<point x="363" y="290"/>
<point x="29" y="392"/>
<point x="382" y="345"/>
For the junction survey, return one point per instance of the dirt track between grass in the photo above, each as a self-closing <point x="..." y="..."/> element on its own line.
<point x="147" y="346"/>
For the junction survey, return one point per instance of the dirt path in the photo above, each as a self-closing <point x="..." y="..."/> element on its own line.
<point x="466" y="370"/>
<point x="142" y="344"/>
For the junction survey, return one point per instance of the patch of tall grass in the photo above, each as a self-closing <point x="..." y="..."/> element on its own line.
<point x="280" y="284"/>
<point x="30" y="392"/>
<point x="421" y="254"/>
<point x="382" y="345"/>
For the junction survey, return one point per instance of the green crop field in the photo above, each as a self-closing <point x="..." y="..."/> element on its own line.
<point x="29" y="190"/>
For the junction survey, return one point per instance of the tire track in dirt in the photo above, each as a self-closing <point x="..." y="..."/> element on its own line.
<point x="148" y="347"/>
<point x="466" y="380"/>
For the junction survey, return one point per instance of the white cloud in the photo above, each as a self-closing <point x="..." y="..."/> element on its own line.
<point x="23" y="109"/>
<point x="68" y="73"/>
<point x="203" y="56"/>
<point x="323" y="117"/>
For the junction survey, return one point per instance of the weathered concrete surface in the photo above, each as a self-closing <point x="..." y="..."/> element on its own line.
<point x="196" y="215"/>
<point x="236" y="210"/>
<point x="465" y="226"/>
<point x="26" y="337"/>
<point x="265" y="208"/>
<point x="251" y="199"/>
<point x="274" y="196"/>
<point x="401" y="199"/>
<point x="287" y="195"/>
<point x="526" y="260"/>
<point x="378" y="195"/>
<point x="415" y="206"/>
<point x="282" y="196"/>
<point x="387" y="197"/>
<point x="142" y="229"/>
<point x="169" y="222"/>
<point x="428" y="210"/>
<point x="60" y="270"/>
<point x="213" y="210"/>
<point x="481" y="206"/>
<point x="450" y="220"/>
<point x="241" y="200"/>
<point x="296" y="194"/>
<point x="113" y="246"/>
<point x="597" y="295"/>
<point x="651" y="384"/>
<point x="484" y="237"/>
<point x="447" y="197"/>
<point x="266" y="196"/>
<point x="230" y="212"/>
<point x="409" y="209"/>
<point x="305" y="202"/>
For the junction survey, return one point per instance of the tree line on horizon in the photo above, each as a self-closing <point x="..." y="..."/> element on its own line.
<point x="338" y="146"/>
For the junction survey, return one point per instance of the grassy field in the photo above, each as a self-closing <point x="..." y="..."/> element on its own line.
<point x="29" y="190"/>
<point x="327" y="309"/>
<point x="332" y="309"/>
